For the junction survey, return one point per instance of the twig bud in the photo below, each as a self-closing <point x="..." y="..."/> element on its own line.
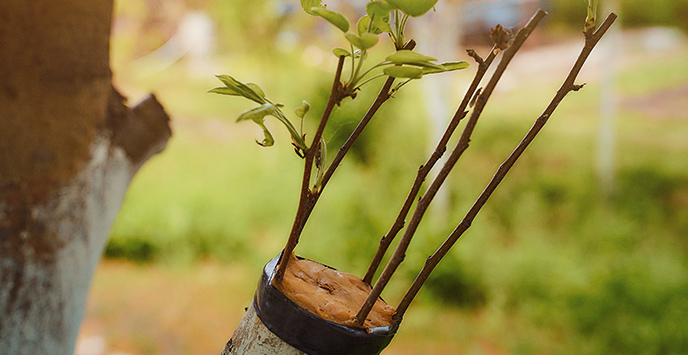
<point x="500" y="37"/>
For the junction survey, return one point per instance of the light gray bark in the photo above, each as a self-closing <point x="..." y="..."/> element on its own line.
<point x="251" y="337"/>
<point x="44" y="289"/>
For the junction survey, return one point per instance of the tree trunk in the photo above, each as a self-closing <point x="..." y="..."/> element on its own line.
<point x="68" y="149"/>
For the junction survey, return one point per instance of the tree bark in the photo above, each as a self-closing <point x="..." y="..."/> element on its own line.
<point x="69" y="146"/>
<point x="252" y="337"/>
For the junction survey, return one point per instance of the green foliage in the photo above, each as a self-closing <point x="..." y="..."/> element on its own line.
<point x="401" y="64"/>
<point x="637" y="13"/>
<point x="404" y="72"/>
<point x="234" y="87"/>
<point x="310" y="5"/>
<point x="454" y="283"/>
<point x="136" y="249"/>
<point x="364" y="41"/>
<point x="257" y="114"/>
<point x="405" y="56"/>
<point x="413" y="7"/>
<point x="633" y="13"/>
<point x="445" y="67"/>
<point x="333" y="17"/>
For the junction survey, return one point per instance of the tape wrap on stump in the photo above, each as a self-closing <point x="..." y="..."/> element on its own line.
<point x="309" y="333"/>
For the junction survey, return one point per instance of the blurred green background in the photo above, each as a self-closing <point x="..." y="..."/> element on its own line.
<point x="571" y="255"/>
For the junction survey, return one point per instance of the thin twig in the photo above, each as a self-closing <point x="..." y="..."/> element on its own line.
<point x="310" y="197"/>
<point x="382" y="96"/>
<point x="421" y="207"/>
<point x="591" y="40"/>
<point x="299" y="220"/>
<point x="424" y="170"/>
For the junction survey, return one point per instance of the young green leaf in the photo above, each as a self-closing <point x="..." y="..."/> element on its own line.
<point x="364" y="41"/>
<point x="413" y="7"/>
<point x="223" y="90"/>
<point x="404" y="72"/>
<point x="446" y="66"/>
<point x="268" y="141"/>
<point x="308" y="5"/>
<point x="303" y="110"/>
<point x="256" y="89"/>
<point x="257" y="114"/>
<point x="338" y="52"/>
<point x="413" y="58"/>
<point x="237" y="88"/>
<point x="379" y="13"/>
<point x="378" y="9"/>
<point x="406" y="56"/>
<point x="363" y="25"/>
<point x="333" y="17"/>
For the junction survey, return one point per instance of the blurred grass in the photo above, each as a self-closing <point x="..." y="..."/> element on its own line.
<point x="549" y="266"/>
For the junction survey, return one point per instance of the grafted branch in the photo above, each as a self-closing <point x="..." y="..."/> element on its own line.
<point x="462" y="145"/>
<point x="425" y="169"/>
<point x="591" y="40"/>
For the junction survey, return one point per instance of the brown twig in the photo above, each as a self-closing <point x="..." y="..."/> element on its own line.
<point x="424" y="170"/>
<point x="310" y="197"/>
<point x="462" y="145"/>
<point x="306" y="195"/>
<point x="591" y="40"/>
<point x="382" y="96"/>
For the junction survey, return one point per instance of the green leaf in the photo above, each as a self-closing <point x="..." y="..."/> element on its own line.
<point x="256" y="89"/>
<point x="378" y="8"/>
<point x="413" y="7"/>
<point x="332" y="17"/>
<point x="446" y="66"/>
<point x="237" y="88"/>
<point x="379" y="12"/>
<point x="268" y="140"/>
<point x="406" y="56"/>
<point x="376" y="28"/>
<point x="364" y="41"/>
<point x="257" y="114"/>
<point x="303" y="110"/>
<point x="308" y="5"/>
<point x="362" y="26"/>
<point x="338" y="52"/>
<point x="413" y="58"/>
<point x="404" y="72"/>
<point x="223" y="90"/>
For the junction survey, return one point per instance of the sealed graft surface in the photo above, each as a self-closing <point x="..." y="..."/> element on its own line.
<point x="331" y="294"/>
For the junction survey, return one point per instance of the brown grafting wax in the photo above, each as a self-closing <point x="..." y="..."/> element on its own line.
<point x="330" y="294"/>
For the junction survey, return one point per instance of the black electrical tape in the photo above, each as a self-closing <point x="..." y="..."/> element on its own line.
<point x="309" y="333"/>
